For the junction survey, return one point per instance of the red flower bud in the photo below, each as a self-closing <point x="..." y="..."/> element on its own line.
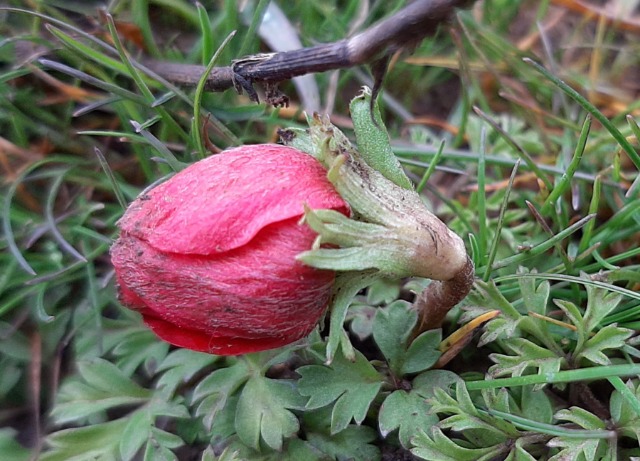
<point x="208" y="257"/>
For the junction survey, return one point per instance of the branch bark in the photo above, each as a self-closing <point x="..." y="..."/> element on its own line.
<point x="403" y="29"/>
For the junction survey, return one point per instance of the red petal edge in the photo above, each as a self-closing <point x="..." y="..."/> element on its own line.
<point x="253" y="298"/>
<point x="221" y="203"/>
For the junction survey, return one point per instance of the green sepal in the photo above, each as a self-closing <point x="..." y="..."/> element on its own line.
<point x="391" y="230"/>
<point x="300" y="138"/>
<point x="373" y="139"/>
<point x="363" y="245"/>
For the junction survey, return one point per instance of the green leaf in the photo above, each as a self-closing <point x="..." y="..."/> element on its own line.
<point x="346" y="287"/>
<point x="296" y="450"/>
<point x="223" y="426"/>
<point x="572" y="312"/>
<point x="577" y="449"/>
<point x="105" y="376"/>
<point x="351" y="385"/>
<point x="519" y="453"/>
<point x="99" y="386"/>
<point x="435" y="446"/>
<point x="383" y="291"/>
<point x="155" y="452"/>
<point x="362" y="317"/>
<point x="623" y="412"/>
<point x="292" y="450"/>
<point x="353" y="443"/>
<point x="165" y="439"/>
<point x="481" y="431"/>
<point x="536" y="405"/>
<point x="141" y="429"/>
<point x="180" y="366"/>
<point x="135" y="434"/>
<point x="525" y="355"/>
<point x="406" y="411"/>
<point x="426" y="383"/>
<point x="478" y="427"/>
<point x="227" y="454"/>
<point x="486" y="297"/>
<point x="262" y="412"/>
<point x="535" y="298"/>
<point x="10" y="448"/>
<point x="392" y="327"/>
<point x="214" y="391"/>
<point x="498" y="400"/>
<point x="581" y="417"/>
<point x="423" y="352"/>
<point x="600" y="303"/>
<point x="609" y="337"/>
<point x="84" y="443"/>
<point x="443" y="401"/>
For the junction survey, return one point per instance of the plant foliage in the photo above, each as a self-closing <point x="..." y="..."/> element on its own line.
<point x="546" y="200"/>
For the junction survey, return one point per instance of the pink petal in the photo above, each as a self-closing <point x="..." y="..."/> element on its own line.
<point x="222" y="202"/>
<point x="251" y="298"/>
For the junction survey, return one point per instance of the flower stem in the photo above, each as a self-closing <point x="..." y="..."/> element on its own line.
<point x="441" y="296"/>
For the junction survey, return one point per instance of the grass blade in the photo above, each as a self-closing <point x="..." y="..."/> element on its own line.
<point x="586" y="105"/>
<point x="503" y="208"/>
<point x="197" y="112"/>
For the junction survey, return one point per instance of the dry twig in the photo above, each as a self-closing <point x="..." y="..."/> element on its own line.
<point x="403" y="29"/>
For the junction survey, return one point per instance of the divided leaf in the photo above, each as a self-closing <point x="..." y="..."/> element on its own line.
<point x="361" y="318"/>
<point x="345" y="288"/>
<point x="436" y="446"/>
<point x="623" y="412"/>
<point x="486" y="297"/>
<point x="98" y="441"/>
<point x="600" y="303"/>
<point x="535" y="298"/>
<point x="99" y="386"/>
<point x="581" y="417"/>
<point x="525" y="355"/>
<point x="141" y="429"/>
<point x="227" y="455"/>
<point x="591" y="339"/>
<point x="263" y="411"/>
<point x="473" y="433"/>
<point x="587" y="449"/>
<point x="383" y="291"/>
<point x="351" y="385"/>
<point x="292" y="450"/>
<point x="353" y="443"/>
<point x="392" y="328"/>
<point x="138" y="346"/>
<point x="214" y="391"/>
<point x="408" y="412"/>
<point x="609" y="337"/>
<point x="180" y="366"/>
<point x="513" y="323"/>
<point x="536" y="405"/>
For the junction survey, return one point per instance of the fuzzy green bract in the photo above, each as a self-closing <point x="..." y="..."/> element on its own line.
<point x="373" y="140"/>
